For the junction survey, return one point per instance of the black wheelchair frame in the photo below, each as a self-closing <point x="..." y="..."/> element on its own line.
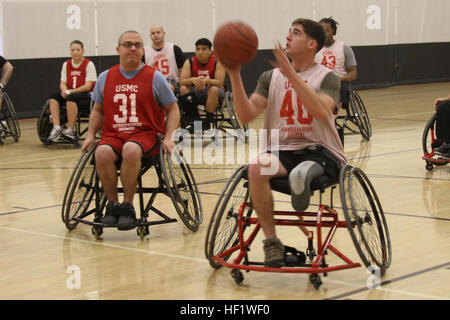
<point x="9" y="125"/>
<point x="44" y="124"/>
<point x="84" y="194"/>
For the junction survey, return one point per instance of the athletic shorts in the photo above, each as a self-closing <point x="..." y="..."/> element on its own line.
<point x="202" y="95"/>
<point x="145" y="139"/>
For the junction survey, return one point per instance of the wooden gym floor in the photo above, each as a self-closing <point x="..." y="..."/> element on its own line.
<point x="38" y="255"/>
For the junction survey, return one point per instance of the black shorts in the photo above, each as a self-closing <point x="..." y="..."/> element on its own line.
<point x="318" y="154"/>
<point x="83" y="98"/>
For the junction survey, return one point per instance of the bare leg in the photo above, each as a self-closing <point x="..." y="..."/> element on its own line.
<point x="105" y="159"/>
<point x="213" y="99"/>
<point x="261" y="193"/>
<point x="131" y="164"/>
<point x="54" y="111"/>
<point x="72" y="112"/>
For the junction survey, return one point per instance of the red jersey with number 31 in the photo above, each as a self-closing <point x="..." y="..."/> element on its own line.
<point x="76" y="77"/>
<point x="129" y="104"/>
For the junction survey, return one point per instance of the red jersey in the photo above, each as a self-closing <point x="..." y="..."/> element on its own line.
<point x="129" y="104"/>
<point x="203" y="70"/>
<point x="76" y="77"/>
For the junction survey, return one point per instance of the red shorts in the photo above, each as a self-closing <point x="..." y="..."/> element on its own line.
<point x="145" y="139"/>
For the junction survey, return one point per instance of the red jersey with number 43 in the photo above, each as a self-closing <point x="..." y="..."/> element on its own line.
<point x="76" y="77"/>
<point x="129" y="104"/>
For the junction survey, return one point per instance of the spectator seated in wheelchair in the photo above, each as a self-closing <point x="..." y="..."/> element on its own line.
<point x="201" y="83"/>
<point x="442" y="145"/>
<point x="131" y="101"/>
<point x="78" y="77"/>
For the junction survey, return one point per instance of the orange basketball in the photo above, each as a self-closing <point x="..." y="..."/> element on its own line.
<point x="235" y="43"/>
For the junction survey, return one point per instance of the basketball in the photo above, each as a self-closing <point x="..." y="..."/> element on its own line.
<point x="235" y="44"/>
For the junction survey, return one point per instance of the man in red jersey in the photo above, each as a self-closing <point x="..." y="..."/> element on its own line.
<point x="78" y="76"/>
<point x="201" y="83"/>
<point x="131" y="101"/>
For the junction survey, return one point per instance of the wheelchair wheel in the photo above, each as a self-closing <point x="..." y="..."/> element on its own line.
<point x="44" y="124"/>
<point x="182" y="188"/>
<point x="231" y="117"/>
<point x="10" y="124"/>
<point x="360" y="115"/>
<point x="80" y="192"/>
<point x="222" y="231"/>
<point x="365" y="219"/>
<point x="429" y="136"/>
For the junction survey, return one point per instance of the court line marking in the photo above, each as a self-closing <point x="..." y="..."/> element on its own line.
<point x="37" y="159"/>
<point x="409" y="275"/>
<point x="104" y="244"/>
<point x="116" y="246"/>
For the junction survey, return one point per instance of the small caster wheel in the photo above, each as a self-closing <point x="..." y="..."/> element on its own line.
<point x="237" y="276"/>
<point x="97" y="232"/>
<point x="429" y="166"/>
<point x="142" y="232"/>
<point x="314" y="278"/>
<point x="311" y="253"/>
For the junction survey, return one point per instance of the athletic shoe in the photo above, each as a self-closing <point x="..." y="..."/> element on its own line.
<point x="69" y="133"/>
<point x="127" y="219"/>
<point x="274" y="254"/>
<point x="55" y="134"/>
<point x="111" y="214"/>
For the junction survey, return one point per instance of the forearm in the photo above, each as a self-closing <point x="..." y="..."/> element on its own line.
<point x="214" y="82"/>
<point x="95" y="122"/>
<point x="186" y="82"/>
<point x="173" y="119"/>
<point x="84" y="88"/>
<point x="245" y="109"/>
<point x="6" y="73"/>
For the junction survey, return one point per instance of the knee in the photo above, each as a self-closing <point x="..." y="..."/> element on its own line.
<point x="255" y="173"/>
<point x="131" y="153"/>
<point x="104" y="155"/>
<point x="184" y="90"/>
<point x="213" y="92"/>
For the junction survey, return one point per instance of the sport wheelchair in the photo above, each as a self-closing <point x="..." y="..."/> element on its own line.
<point x="356" y="116"/>
<point x="225" y="119"/>
<point x="44" y="124"/>
<point x="429" y="143"/>
<point x="9" y="125"/>
<point x="84" y="194"/>
<point x="229" y="235"/>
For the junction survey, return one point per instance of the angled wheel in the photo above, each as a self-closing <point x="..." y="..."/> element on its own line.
<point x="429" y="136"/>
<point x="80" y="199"/>
<point x="222" y="231"/>
<point x="10" y="124"/>
<point x="182" y="188"/>
<point x="365" y="219"/>
<point x="229" y="116"/>
<point x="360" y="115"/>
<point x="44" y="124"/>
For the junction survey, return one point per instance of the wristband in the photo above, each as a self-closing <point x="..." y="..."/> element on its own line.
<point x="2" y="86"/>
<point x="67" y="92"/>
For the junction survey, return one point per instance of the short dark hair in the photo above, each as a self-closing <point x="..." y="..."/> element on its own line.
<point x="333" y="23"/>
<point x="77" y="42"/>
<point x="204" y="42"/>
<point x="313" y="30"/>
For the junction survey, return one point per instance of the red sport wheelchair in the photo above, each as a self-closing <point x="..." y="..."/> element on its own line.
<point x="233" y="229"/>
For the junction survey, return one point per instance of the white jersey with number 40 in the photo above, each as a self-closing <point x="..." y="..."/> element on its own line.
<point x="163" y="60"/>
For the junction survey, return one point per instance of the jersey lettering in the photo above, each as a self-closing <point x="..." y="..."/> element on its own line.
<point x="122" y="99"/>
<point x="288" y="112"/>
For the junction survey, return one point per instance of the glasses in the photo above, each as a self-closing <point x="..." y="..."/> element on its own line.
<point x="128" y="45"/>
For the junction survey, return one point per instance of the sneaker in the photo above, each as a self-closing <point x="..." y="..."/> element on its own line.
<point x="111" y="214"/>
<point x="69" y="133"/>
<point x="127" y="219"/>
<point x="274" y="253"/>
<point x="55" y="134"/>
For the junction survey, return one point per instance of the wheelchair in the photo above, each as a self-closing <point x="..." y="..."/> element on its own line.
<point x="230" y="235"/>
<point x="356" y="119"/>
<point x="84" y="195"/>
<point x="9" y="125"/>
<point x="429" y="143"/>
<point x="44" y="124"/>
<point x="225" y="121"/>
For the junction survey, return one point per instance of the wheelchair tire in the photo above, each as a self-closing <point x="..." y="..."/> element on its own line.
<point x="222" y="231"/>
<point x="44" y="124"/>
<point x="81" y="191"/>
<point x="182" y="188"/>
<point x="360" y="115"/>
<point x="429" y="135"/>
<point x="12" y="124"/>
<point x="236" y="124"/>
<point x="365" y="219"/>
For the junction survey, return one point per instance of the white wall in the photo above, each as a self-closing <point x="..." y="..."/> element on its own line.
<point x="43" y="29"/>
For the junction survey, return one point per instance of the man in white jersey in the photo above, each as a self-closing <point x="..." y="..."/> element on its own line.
<point x="339" y="57"/>
<point x="298" y="100"/>
<point x="166" y="57"/>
